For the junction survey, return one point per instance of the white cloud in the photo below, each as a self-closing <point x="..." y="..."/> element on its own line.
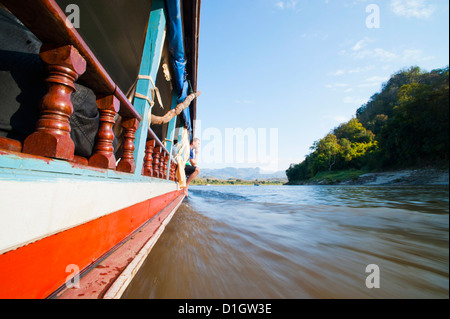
<point x="337" y="73"/>
<point x="280" y="4"/>
<point x="358" y="45"/>
<point x="377" y="79"/>
<point x="310" y="35"/>
<point x="415" y="56"/>
<point x="354" y="100"/>
<point x="244" y="102"/>
<point x="338" y="118"/>
<point x="374" y="81"/>
<point x="336" y="85"/>
<point x="359" y="51"/>
<point x="352" y="71"/>
<point x="410" y="55"/>
<point x="378" y="53"/>
<point x="360" y="70"/>
<point x="413" y="8"/>
<point x="353" y="3"/>
<point x="286" y="4"/>
<point x="361" y="44"/>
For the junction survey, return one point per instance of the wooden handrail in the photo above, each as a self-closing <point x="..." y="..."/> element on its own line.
<point x="128" y="110"/>
<point x="152" y="136"/>
<point x="48" y="22"/>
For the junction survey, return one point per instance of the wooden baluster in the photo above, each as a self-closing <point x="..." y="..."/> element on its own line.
<point x="10" y="144"/>
<point x="172" y="171"/>
<point x="103" y="156"/>
<point x="175" y="172"/>
<point x="52" y="135"/>
<point x="127" y="163"/>
<point x="161" y="164"/>
<point x="148" y="159"/>
<point x="166" y="163"/>
<point x="156" y="163"/>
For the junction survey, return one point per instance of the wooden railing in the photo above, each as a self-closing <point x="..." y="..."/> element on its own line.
<point x="68" y="58"/>
<point x="156" y="161"/>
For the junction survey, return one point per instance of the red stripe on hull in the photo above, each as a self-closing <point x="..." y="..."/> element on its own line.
<point x="38" y="269"/>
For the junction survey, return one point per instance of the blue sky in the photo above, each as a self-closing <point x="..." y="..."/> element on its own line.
<point x="302" y="67"/>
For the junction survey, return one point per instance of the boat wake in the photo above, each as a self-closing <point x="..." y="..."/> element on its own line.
<point x="240" y="243"/>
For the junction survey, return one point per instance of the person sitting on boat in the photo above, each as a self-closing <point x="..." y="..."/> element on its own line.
<point x="191" y="168"/>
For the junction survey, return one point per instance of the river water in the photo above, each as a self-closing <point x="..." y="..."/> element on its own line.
<point x="252" y="242"/>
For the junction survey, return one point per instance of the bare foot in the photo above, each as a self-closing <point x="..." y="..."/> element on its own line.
<point x="185" y="192"/>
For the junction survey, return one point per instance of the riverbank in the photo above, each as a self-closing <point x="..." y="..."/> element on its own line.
<point x="423" y="176"/>
<point x="237" y="182"/>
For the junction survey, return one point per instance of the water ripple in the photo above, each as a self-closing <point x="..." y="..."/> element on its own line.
<point x="301" y="242"/>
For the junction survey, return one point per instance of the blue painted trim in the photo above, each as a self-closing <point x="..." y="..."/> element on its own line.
<point x="151" y="58"/>
<point x="171" y="131"/>
<point x="16" y="167"/>
<point x="180" y="136"/>
<point x="171" y="128"/>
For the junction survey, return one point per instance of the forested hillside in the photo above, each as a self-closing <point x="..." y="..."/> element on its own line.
<point x="405" y="125"/>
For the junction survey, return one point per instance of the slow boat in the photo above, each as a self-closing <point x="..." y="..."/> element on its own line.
<point x="78" y="220"/>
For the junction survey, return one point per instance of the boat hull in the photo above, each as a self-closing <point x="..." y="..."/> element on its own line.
<point x="63" y="232"/>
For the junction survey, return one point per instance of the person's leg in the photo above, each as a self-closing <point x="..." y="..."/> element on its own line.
<point x="188" y="170"/>
<point x="190" y="179"/>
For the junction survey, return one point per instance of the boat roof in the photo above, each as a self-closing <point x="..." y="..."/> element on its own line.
<point x="115" y="31"/>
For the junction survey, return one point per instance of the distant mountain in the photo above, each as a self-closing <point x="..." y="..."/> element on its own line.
<point x="240" y="173"/>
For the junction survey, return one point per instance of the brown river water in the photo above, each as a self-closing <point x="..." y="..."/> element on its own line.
<point x="302" y="242"/>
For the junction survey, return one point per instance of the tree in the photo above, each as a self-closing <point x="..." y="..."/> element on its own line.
<point x="405" y="124"/>
<point x="354" y="131"/>
<point x="330" y="147"/>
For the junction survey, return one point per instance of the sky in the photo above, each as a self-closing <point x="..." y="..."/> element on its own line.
<point x="277" y="75"/>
